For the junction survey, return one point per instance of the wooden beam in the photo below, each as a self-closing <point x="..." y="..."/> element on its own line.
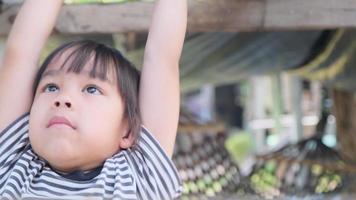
<point x="204" y="15"/>
<point x="310" y="14"/>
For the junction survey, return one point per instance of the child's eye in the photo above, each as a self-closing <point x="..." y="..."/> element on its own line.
<point x="51" y="88"/>
<point x="92" y="90"/>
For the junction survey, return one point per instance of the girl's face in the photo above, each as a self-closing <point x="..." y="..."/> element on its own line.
<point x="76" y="121"/>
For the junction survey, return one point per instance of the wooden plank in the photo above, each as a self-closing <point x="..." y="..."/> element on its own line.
<point x="310" y="14"/>
<point x="204" y="15"/>
<point x="207" y="15"/>
<point x="225" y="15"/>
<point x="113" y="18"/>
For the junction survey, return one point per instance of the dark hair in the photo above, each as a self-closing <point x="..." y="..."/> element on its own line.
<point x="105" y="58"/>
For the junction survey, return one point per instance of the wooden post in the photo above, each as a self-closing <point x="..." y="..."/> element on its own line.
<point x="277" y="103"/>
<point x="256" y="109"/>
<point x="345" y="113"/>
<point x="296" y="94"/>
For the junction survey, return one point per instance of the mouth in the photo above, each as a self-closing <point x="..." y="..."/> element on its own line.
<point x="60" y="121"/>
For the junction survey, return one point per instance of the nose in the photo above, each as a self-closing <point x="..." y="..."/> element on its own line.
<point x="64" y="101"/>
<point x="59" y="103"/>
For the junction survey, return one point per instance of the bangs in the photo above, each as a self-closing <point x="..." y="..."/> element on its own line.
<point x="102" y="59"/>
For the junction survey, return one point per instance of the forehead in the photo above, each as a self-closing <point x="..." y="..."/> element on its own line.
<point x="83" y="75"/>
<point x="77" y="61"/>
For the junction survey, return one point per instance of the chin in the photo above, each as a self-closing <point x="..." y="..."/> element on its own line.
<point x="58" y="157"/>
<point x="62" y="167"/>
<point x="69" y="163"/>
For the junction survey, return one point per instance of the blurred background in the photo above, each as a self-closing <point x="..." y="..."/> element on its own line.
<point x="267" y="90"/>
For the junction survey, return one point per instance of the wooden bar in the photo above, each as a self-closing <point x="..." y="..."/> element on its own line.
<point x="204" y="16"/>
<point x="310" y="14"/>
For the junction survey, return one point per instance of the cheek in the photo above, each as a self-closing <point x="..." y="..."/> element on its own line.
<point x="35" y="130"/>
<point x="37" y="112"/>
<point x="37" y="116"/>
<point x="103" y="135"/>
<point x="102" y="120"/>
<point x="104" y="111"/>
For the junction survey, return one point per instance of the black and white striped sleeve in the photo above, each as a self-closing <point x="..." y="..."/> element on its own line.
<point x="13" y="140"/>
<point x="156" y="175"/>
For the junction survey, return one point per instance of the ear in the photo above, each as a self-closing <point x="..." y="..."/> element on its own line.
<point x="127" y="137"/>
<point x="127" y="140"/>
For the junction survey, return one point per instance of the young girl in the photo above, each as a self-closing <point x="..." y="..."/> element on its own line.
<point x="85" y="124"/>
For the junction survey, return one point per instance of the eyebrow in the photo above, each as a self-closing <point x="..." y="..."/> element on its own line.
<point x="50" y="73"/>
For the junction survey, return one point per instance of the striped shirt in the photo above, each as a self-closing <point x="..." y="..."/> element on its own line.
<point x="141" y="172"/>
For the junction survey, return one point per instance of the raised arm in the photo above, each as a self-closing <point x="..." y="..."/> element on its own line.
<point x="159" y="89"/>
<point x="18" y="68"/>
